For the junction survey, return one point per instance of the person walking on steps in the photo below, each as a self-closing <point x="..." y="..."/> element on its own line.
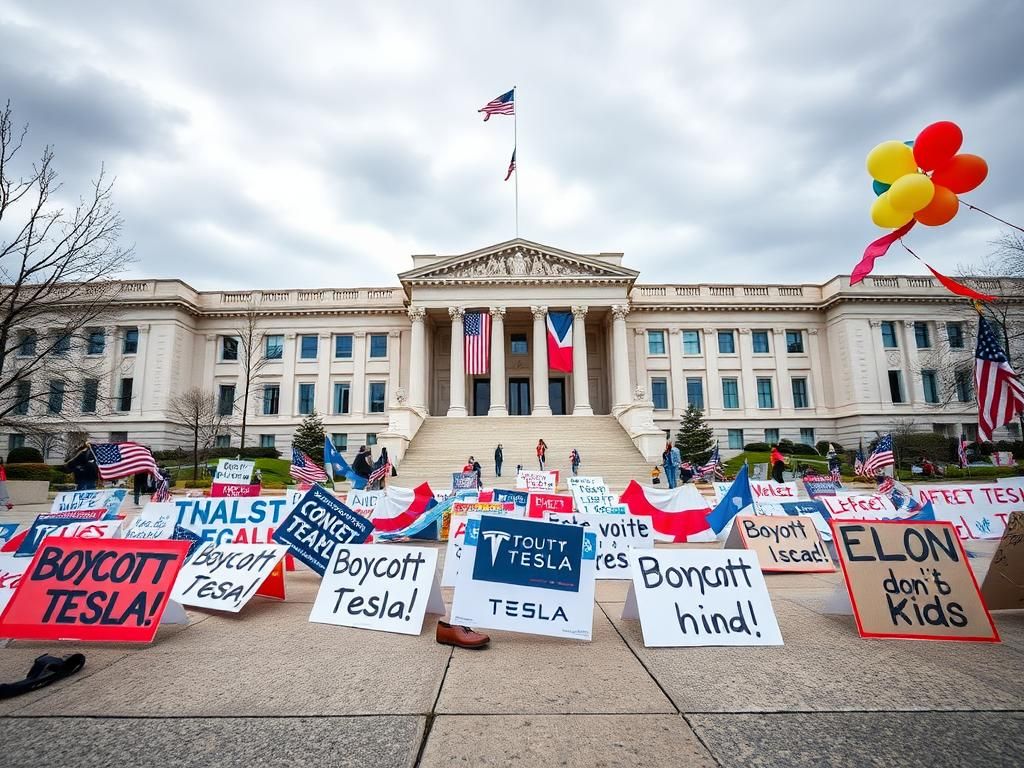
<point x="542" y="453"/>
<point x="498" y="458"/>
<point x="574" y="461"/>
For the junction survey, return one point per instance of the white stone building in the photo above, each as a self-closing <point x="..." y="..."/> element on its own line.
<point x="804" y="362"/>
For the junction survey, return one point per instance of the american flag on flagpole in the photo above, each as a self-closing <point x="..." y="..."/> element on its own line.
<point x="379" y="472"/>
<point x="477" y="344"/>
<point x="511" y="166"/>
<point x="114" y="460"/>
<point x="1000" y="392"/>
<point x="858" y="462"/>
<point x="501" y="105"/>
<point x="713" y="466"/>
<point x="961" y="451"/>
<point x="880" y="458"/>
<point x="305" y="469"/>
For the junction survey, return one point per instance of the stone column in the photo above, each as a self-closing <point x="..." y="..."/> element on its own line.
<point x="785" y="393"/>
<point x="141" y="366"/>
<point x="714" y="402"/>
<point x="323" y="395"/>
<point x="676" y="373"/>
<point x="417" y="358"/>
<point x="816" y="395"/>
<point x="620" y="357"/>
<point x="541" y="406"/>
<point x="748" y="376"/>
<point x="499" y="386"/>
<point x="395" y="391"/>
<point x="359" y="388"/>
<point x="881" y="364"/>
<point x="457" y="382"/>
<point x="912" y="365"/>
<point x="580" y="372"/>
<point x="287" y="397"/>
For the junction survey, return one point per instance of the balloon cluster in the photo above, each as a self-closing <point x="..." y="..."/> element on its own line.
<point x="904" y="187"/>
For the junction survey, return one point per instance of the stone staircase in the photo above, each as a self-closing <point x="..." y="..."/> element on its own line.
<point x="443" y="444"/>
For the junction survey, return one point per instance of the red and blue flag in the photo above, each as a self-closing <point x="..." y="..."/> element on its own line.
<point x="560" y="341"/>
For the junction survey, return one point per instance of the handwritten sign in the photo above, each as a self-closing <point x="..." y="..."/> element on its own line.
<point x="234" y="472"/>
<point x="463" y="480"/>
<point x="235" y="490"/>
<point x="769" y="490"/>
<point x="518" y="498"/>
<point x="615" y="537"/>
<point x="317" y="524"/>
<point x="387" y="587"/>
<point x="541" y="504"/>
<point x="364" y="503"/>
<point x="106" y="590"/>
<point x="109" y="500"/>
<point x="536" y="482"/>
<point x="588" y="495"/>
<point x="86" y="529"/>
<point x="861" y="506"/>
<point x="700" y="597"/>
<point x="1003" y="588"/>
<point x="11" y="570"/>
<point x="155" y="521"/>
<point x="811" y="508"/>
<point x="782" y="543"/>
<point x="911" y="580"/>
<point x="978" y="511"/>
<point x="224" y="577"/>
<point x="46" y="524"/>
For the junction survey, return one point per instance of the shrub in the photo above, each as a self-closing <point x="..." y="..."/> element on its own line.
<point x="822" y="446"/>
<point x="34" y="471"/>
<point x="932" y="445"/>
<point x="802" y="449"/>
<point x="203" y="482"/>
<point x="24" y="455"/>
<point x="757" y="447"/>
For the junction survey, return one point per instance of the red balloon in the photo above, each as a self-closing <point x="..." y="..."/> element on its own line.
<point x="940" y="210"/>
<point x="961" y="174"/>
<point x="936" y="144"/>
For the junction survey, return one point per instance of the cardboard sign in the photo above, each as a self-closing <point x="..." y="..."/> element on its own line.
<point x="574" y="481"/>
<point x="818" y="488"/>
<point x="11" y="570"/>
<point x="911" y="580"/>
<point x="46" y="524"/>
<point x="536" y="482"/>
<point x="527" y="576"/>
<point x="782" y="543"/>
<point x="235" y="490"/>
<point x="769" y="490"/>
<point x="861" y="506"/>
<point x="104" y="590"/>
<point x="224" y="577"/>
<point x="228" y="520"/>
<point x="234" y="472"/>
<point x="453" y="558"/>
<point x="110" y="500"/>
<point x="588" y="496"/>
<point x="978" y="511"/>
<point x="812" y="509"/>
<point x="387" y="587"/>
<point x="155" y="521"/>
<point x="7" y="531"/>
<point x="318" y="523"/>
<point x="615" y="537"/>
<point x="541" y="504"/>
<point x="700" y="597"/>
<point x="1003" y="588"/>
<point x="88" y="529"/>
<point x="364" y="502"/>
<point x="464" y="480"/>
<point x="518" y="498"/>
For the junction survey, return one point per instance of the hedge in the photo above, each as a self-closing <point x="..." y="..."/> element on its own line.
<point x="185" y="454"/>
<point x="24" y="455"/>
<point x="822" y="446"/>
<point x="757" y="447"/>
<point x="36" y="471"/>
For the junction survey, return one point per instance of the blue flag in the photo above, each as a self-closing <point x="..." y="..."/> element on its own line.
<point x="334" y="462"/>
<point x="738" y="497"/>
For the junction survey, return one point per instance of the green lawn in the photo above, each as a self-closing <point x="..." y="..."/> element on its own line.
<point x="275" y="472"/>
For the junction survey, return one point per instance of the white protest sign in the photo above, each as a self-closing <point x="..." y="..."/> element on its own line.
<point x="977" y="511"/>
<point x="228" y="520"/>
<point x="387" y="587"/>
<point x="769" y="490"/>
<point x="363" y="502"/>
<point x="615" y="537"/>
<point x="224" y="577"/>
<point x="234" y="472"/>
<point x="155" y="521"/>
<point x="720" y="489"/>
<point x="589" y="496"/>
<point x="700" y="597"/>
<point x="575" y="480"/>
<point x="530" y="480"/>
<point x="109" y="500"/>
<point x="860" y="506"/>
<point x="11" y="570"/>
<point x="88" y="529"/>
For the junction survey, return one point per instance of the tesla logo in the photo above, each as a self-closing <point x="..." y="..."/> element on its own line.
<point x="495" y="538"/>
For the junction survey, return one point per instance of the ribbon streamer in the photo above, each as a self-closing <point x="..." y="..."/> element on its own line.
<point x="876" y="250"/>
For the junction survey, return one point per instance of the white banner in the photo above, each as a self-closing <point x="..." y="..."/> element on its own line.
<point x="234" y="472"/>
<point x="532" y="480"/>
<point x="615" y="537"/>
<point x="109" y="500"/>
<point x="769" y="490"/>
<point x="364" y="502"/>
<point x="155" y="521"/>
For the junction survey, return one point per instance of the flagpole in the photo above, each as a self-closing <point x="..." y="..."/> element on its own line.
<point x="515" y="150"/>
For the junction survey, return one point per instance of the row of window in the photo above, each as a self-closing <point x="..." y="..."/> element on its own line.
<point x="95" y="342"/>
<point x="58" y="388"/>
<point x="726" y="342"/>
<point x="306" y="398"/>
<point x="730" y="393"/>
<point x="308" y="346"/>
<point x="771" y="436"/>
<point x="340" y="440"/>
<point x="962" y="388"/>
<point x="922" y="335"/>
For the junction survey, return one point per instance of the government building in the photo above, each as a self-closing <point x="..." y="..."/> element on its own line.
<point x="765" y="362"/>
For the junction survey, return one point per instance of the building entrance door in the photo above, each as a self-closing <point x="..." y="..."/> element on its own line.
<point x="481" y="397"/>
<point x="519" y="397"/>
<point x="556" y="396"/>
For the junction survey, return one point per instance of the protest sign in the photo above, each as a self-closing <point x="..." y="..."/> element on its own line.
<point x="456" y="541"/>
<point x="700" y="597"/>
<point x="720" y="489"/>
<point x="588" y="496"/>
<point x="769" y="490"/>
<point x="615" y="537"/>
<point x="463" y="480"/>
<point x="155" y="521"/>
<point x="364" y="502"/>
<point x="224" y="577"/>
<point x="540" y="504"/>
<point x="230" y="520"/>
<point x="911" y="580"/>
<point x="317" y="523"/>
<point x="7" y="531"/>
<point x="107" y="499"/>
<point x="859" y="506"/>
<point x="481" y="507"/>
<point x="819" y="486"/>
<point x="813" y="509"/>
<point x="759" y="472"/>
<point x="234" y="472"/>
<point x="978" y="511"/>
<point x="527" y="576"/>
<point x="47" y="523"/>
<point x="534" y="481"/>
<point x="106" y="590"/>
<point x="518" y="498"/>
<point x="387" y="587"/>
<point x="782" y="543"/>
<point x="235" y="490"/>
<point x="88" y="529"/>
<point x="579" y="480"/>
<point x="611" y="509"/>
<point x="11" y="570"/>
<point x="1003" y="587"/>
<point x="181" y="533"/>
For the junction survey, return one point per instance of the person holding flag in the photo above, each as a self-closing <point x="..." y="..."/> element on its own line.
<point x="335" y="463"/>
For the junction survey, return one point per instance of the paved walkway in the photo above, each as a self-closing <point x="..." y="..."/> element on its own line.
<point x="268" y="688"/>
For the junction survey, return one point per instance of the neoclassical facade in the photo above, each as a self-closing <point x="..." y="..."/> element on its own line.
<point x="804" y="362"/>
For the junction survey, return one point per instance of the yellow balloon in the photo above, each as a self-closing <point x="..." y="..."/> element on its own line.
<point x="887" y="217"/>
<point x="890" y="160"/>
<point x="911" y="192"/>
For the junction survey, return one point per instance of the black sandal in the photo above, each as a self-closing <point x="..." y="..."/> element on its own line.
<point x="46" y="670"/>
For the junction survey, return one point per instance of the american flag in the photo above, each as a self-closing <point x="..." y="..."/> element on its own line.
<point x="834" y="475"/>
<point x="305" y="469"/>
<point x="880" y="458"/>
<point x="1000" y="392"/>
<point x="858" y="462"/>
<point x="961" y="451"/>
<point x="713" y="466"/>
<point x="478" y="342"/>
<point x="114" y="460"/>
<point x="511" y="166"/>
<point x="379" y="472"/>
<point x="502" y="105"/>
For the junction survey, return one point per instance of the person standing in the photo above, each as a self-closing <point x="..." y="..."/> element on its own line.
<point x="361" y="464"/>
<point x="671" y="461"/>
<point x="498" y="458"/>
<point x="542" y="453"/>
<point x="778" y="462"/>
<point x="140" y="485"/>
<point x="574" y="461"/>
<point x="479" y="472"/>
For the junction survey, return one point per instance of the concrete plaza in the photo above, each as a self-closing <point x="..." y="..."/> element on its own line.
<point x="266" y="687"/>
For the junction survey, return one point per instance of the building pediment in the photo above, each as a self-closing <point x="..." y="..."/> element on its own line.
<point x="519" y="261"/>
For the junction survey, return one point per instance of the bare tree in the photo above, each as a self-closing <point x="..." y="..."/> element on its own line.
<point x="252" y="358"/>
<point x="58" y="270"/>
<point x="198" y="412"/>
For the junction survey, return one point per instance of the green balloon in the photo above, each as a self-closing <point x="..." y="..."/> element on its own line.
<point x="879" y="187"/>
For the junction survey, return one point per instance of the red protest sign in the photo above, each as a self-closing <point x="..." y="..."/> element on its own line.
<point x="103" y="590"/>
<point x="235" y="490"/>
<point x="273" y="585"/>
<point x="540" y="504"/>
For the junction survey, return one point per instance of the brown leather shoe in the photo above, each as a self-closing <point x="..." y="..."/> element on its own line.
<point x="460" y="637"/>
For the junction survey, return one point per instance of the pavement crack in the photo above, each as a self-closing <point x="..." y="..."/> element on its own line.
<point x="429" y="724"/>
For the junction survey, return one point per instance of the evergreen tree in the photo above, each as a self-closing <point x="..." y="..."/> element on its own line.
<point x="309" y="437"/>
<point x="695" y="438"/>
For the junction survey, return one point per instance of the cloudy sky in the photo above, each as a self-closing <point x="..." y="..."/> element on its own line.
<point x="308" y="144"/>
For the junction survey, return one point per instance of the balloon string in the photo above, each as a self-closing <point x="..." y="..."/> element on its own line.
<point x="907" y="248"/>
<point x="991" y="216"/>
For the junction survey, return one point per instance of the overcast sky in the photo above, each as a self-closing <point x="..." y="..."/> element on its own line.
<point x="312" y="144"/>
